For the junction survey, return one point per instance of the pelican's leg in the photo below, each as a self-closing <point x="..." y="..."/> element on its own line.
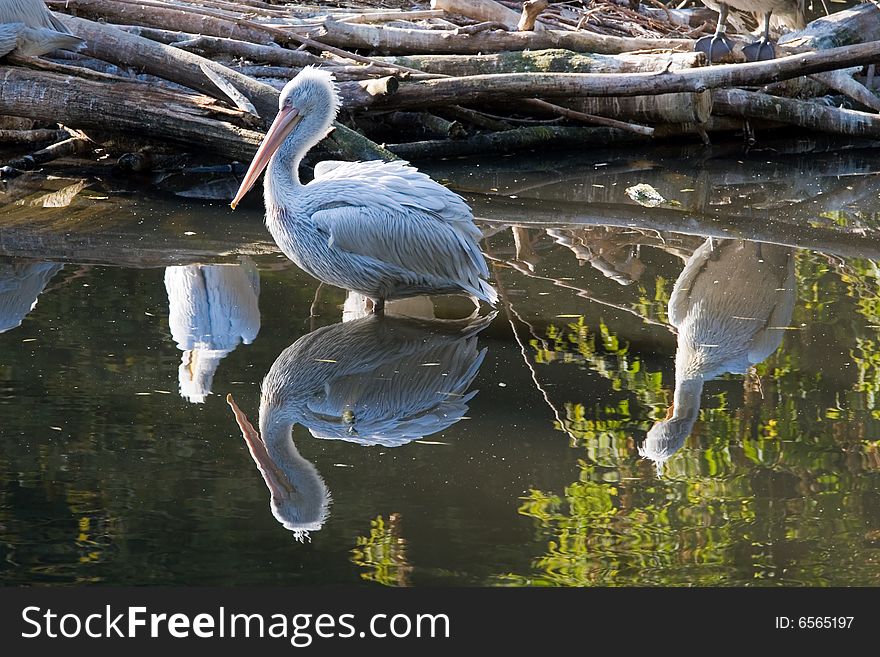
<point x="313" y="315"/>
<point x="717" y="45"/>
<point x="762" y="49"/>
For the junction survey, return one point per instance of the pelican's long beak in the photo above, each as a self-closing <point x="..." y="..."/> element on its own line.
<point x="284" y="122"/>
<point x="277" y="481"/>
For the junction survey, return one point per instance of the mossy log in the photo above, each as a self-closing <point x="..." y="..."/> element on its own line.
<point x="395" y="40"/>
<point x="547" y="61"/>
<point x="482" y="88"/>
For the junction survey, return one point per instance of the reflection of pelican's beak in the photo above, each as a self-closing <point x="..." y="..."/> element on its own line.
<point x="278" y="483"/>
<point x="284" y="122"/>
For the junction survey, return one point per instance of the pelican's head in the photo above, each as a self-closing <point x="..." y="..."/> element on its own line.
<point x="299" y="498"/>
<point x="664" y="439"/>
<point x="310" y="101"/>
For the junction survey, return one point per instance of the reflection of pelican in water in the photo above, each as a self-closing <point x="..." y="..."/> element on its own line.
<point x="212" y="308"/>
<point x="372" y="381"/>
<point x="730" y="304"/>
<point x="357" y="305"/>
<point x="20" y="285"/>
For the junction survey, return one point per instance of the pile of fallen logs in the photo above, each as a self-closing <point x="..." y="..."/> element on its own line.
<point x="153" y="78"/>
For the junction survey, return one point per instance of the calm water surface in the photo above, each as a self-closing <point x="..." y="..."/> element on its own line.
<point x="526" y="449"/>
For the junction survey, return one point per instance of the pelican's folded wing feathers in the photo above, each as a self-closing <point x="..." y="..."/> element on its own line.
<point x="369" y="203"/>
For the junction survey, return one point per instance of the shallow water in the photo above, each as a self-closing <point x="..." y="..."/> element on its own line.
<point x="508" y="454"/>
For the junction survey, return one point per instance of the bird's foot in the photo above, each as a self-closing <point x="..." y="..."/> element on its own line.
<point x="761" y="50"/>
<point x="716" y="46"/>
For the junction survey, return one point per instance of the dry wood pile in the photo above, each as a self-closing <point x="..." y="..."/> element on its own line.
<point x="452" y="77"/>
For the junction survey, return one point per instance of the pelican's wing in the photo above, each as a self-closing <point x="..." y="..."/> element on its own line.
<point x="32" y="13"/>
<point x="391" y="212"/>
<point x="412" y="240"/>
<point x="681" y="292"/>
<point x="394" y="184"/>
<point x="768" y="339"/>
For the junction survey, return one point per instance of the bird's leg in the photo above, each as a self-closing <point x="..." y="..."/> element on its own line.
<point x="314" y="307"/>
<point x="758" y="252"/>
<point x="717" y="45"/>
<point x="379" y="307"/>
<point x="315" y="301"/>
<point x="762" y="49"/>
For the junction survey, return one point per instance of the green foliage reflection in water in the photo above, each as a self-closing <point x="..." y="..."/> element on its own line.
<point x="777" y="484"/>
<point x="382" y="554"/>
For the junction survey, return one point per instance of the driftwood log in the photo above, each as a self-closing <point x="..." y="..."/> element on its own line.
<point x="547" y="61"/>
<point x="159" y="113"/>
<point x="395" y="40"/>
<point x="481" y="88"/>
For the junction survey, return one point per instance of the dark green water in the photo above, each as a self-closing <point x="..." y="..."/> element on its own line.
<point x="109" y="476"/>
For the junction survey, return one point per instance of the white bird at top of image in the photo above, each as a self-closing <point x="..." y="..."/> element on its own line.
<point x="382" y="229"/>
<point x="28" y="28"/>
<point x="731" y="305"/>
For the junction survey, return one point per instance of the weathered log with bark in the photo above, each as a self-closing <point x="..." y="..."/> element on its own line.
<point x="108" y="43"/>
<point x="178" y="118"/>
<point x="804" y="114"/>
<point x="395" y="40"/>
<point x="547" y="61"/>
<point x="481" y="88"/>
<point x="661" y="108"/>
<point x="515" y="140"/>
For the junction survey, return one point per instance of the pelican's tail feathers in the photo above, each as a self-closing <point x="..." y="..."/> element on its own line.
<point x="36" y="41"/>
<point x="488" y="293"/>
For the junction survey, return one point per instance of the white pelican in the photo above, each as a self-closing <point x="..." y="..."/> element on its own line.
<point x="731" y="305"/>
<point x="28" y="28"/>
<point x="383" y="229"/>
<point x="372" y="381"/>
<point x="211" y="310"/>
<point x="20" y="285"/>
<point x="789" y="13"/>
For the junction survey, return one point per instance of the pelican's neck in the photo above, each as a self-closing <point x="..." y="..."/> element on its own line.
<point x="686" y="399"/>
<point x="282" y="184"/>
<point x="299" y="495"/>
